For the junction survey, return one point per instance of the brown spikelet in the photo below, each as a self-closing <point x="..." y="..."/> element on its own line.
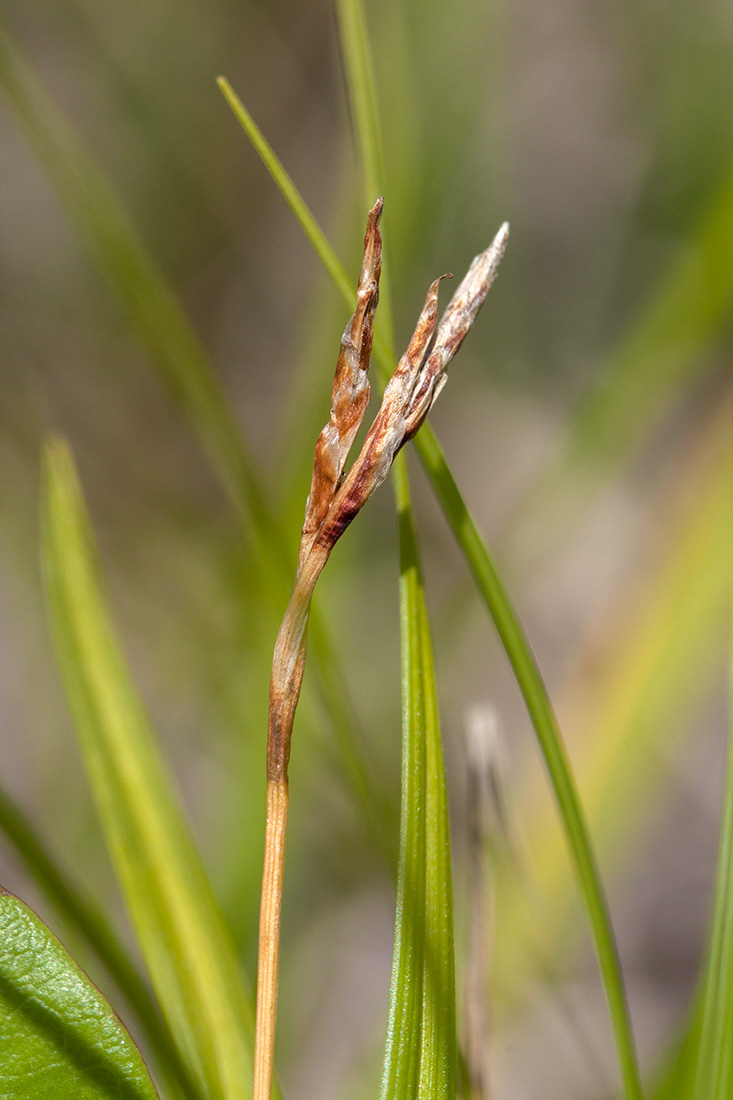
<point x="351" y="390"/>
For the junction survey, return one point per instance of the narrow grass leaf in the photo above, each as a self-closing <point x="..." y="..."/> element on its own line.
<point x="671" y="635"/>
<point x="438" y="1054"/>
<point x="58" y="1036"/>
<point x="86" y="918"/>
<point x="362" y="91"/>
<point x="185" y="944"/>
<point x="420" y="1052"/>
<point x="289" y="191"/>
<point x="675" y="1078"/>
<point x="360" y="81"/>
<point x="425" y="829"/>
<point x="401" y="1070"/>
<point x="536" y="700"/>
<point x="539" y="708"/>
<point x="714" y="1074"/>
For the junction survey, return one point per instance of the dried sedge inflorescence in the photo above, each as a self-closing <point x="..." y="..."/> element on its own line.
<point x="335" y="498"/>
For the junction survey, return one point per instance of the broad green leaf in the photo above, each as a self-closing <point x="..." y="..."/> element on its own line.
<point x="59" y="1038"/>
<point x="85" y="916"/>
<point x="182" y="935"/>
<point x="529" y="679"/>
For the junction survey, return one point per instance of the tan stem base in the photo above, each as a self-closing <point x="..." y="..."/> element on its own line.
<point x="269" y="945"/>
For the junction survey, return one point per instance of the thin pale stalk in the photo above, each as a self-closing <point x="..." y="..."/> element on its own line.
<point x="269" y="945"/>
<point x="285" y="684"/>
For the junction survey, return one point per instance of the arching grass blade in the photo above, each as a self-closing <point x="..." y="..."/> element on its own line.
<point x="186" y="946"/>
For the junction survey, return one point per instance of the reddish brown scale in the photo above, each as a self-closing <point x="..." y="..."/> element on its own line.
<point x="349" y="504"/>
<point x="351" y="391"/>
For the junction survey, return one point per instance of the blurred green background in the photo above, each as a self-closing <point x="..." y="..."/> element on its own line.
<point x="587" y="422"/>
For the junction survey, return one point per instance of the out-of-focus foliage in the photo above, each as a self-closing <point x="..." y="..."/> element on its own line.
<point x="601" y="135"/>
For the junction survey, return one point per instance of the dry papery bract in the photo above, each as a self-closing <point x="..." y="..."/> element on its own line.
<point x="333" y="501"/>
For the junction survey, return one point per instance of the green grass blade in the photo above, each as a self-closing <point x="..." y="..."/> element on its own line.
<point x="58" y="1035"/>
<point x="186" y="946"/>
<point x="362" y="90"/>
<point x="402" y="1055"/>
<point x="420" y="1051"/>
<point x="158" y="320"/>
<point x="673" y="635"/>
<point x="290" y="192"/>
<point x="303" y="216"/>
<point x="536" y="700"/>
<point x="714" y="1074"/>
<point x="675" y="1079"/>
<point x="431" y="1028"/>
<point x="439" y="1046"/>
<point x="365" y="112"/>
<point x="85" y="917"/>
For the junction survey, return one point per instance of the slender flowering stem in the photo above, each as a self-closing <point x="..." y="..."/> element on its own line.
<point x="334" y="500"/>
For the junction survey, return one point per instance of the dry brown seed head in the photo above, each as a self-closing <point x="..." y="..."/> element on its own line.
<point x="351" y="391"/>
<point x="412" y="389"/>
<point x="387" y="433"/>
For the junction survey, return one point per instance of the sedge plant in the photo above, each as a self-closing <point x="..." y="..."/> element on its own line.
<point x="335" y="498"/>
<point x="60" y="1038"/>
